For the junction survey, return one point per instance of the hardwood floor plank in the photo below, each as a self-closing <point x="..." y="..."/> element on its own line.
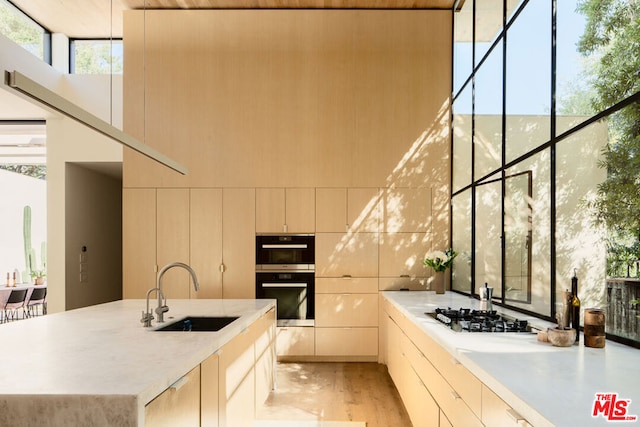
<point x="335" y="392"/>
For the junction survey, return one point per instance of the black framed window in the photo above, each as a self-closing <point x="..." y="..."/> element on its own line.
<point x="95" y="56"/>
<point x="26" y="32"/>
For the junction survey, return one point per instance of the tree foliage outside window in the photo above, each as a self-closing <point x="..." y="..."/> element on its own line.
<point x="97" y="57"/>
<point x="19" y="28"/>
<point x="612" y="34"/>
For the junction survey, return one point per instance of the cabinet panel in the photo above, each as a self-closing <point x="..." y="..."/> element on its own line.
<point x="138" y="241"/>
<point x="236" y="398"/>
<point x="331" y="210"/>
<point x="173" y="240"/>
<point x="340" y="254"/>
<point x="178" y="405"/>
<point x="448" y="399"/>
<point x="406" y="210"/>
<point x="334" y="285"/>
<point x="420" y="405"/>
<point x="402" y="254"/>
<point x="270" y="210"/>
<point x="346" y="341"/>
<point x="300" y="210"/>
<point x="295" y="341"/>
<point x="444" y="422"/>
<point x="209" y="392"/>
<point x="346" y="310"/>
<point x="495" y="412"/>
<point x="206" y="240"/>
<point x="265" y="356"/>
<point x="238" y="236"/>
<point x="364" y="209"/>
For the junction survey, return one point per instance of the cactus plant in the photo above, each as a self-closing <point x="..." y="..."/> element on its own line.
<point x="26" y="233"/>
<point x="30" y="259"/>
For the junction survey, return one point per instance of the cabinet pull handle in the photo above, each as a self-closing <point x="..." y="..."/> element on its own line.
<point x="404" y="276"/>
<point x="455" y="395"/>
<point x="515" y="416"/>
<point x="222" y="268"/>
<point x="455" y="361"/>
<point x="346" y="276"/>
<point x="284" y="228"/>
<point x="178" y="384"/>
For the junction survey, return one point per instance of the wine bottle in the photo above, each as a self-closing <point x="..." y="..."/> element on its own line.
<point x="575" y="306"/>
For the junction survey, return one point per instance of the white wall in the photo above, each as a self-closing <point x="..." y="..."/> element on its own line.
<point x="67" y="141"/>
<point x="16" y="192"/>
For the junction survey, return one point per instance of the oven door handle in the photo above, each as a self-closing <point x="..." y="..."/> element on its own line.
<point x="284" y="285"/>
<point x="291" y="246"/>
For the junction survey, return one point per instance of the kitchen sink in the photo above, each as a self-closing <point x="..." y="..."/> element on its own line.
<point x="198" y="324"/>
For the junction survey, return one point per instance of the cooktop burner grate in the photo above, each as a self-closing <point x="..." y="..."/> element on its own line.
<point x="466" y="319"/>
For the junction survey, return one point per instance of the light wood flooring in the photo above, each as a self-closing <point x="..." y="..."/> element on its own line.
<point x="335" y="392"/>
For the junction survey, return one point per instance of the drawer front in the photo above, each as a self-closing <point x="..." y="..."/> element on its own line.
<point x="496" y="412"/>
<point x="461" y="380"/>
<point x="346" y="310"/>
<point x="346" y="254"/>
<point x="346" y="341"/>
<point x="354" y="285"/>
<point x="449" y="401"/>
<point x="295" y="341"/>
<point x="398" y="283"/>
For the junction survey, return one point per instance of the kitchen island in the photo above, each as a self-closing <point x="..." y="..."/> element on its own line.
<point x="99" y="366"/>
<point x="502" y="378"/>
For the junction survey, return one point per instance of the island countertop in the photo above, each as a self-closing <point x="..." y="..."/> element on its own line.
<point x="547" y="385"/>
<point x="102" y="359"/>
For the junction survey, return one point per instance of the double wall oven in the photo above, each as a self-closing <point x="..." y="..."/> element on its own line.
<point x="285" y="269"/>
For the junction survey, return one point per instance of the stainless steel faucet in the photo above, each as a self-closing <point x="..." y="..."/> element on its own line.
<point x="162" y="307"/>
<point x="147" y="316"/>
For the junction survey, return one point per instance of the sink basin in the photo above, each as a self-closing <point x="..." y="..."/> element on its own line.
<point x="198" y="324"/>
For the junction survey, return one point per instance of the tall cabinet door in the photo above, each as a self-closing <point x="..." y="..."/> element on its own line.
<point x="206" y="240"/>
<point x="239" y="243"/>
<point x="138" y="241"/>
<point x="173" y="240"/>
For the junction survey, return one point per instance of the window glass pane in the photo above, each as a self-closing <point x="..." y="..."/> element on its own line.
<point x="609" y="47"/>
<point x="574" y="88"/>
<point x="461" y="241"/>
<point x="462" y="45"/>
<point x="528" y="234"/>
<point x="579" y="243"/>
<point x="528" y="80"/>
<point x="488" y="25"/>
<point x="488" y="227"/>
<point x="97" y="57"/>
<point x="16" y="26"/>
<point x="462" y="139"/>
<point x="487" y="138"/>
<point x="512" y="8"/>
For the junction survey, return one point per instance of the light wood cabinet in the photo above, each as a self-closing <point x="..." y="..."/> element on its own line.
<point x="455" y="390"/>
<point x="346" y="310"/>
<point x="285" y="210"/>
<point x="206" y="240"/>
<point x="354" y="209"/>
<point x="221" y="234"/>
<point x="347" y="254"/>
<point x="406" y="210"/>
<point x="265" y="356"/>
<point x="347" y="342"/>
<point x="238" y="237"/>
<point x="296" y="341"/>
<point x="496" y="412"/>
<point x="209" y="391"/>
<point x="236" y="382"/>
<point x="178" y="405"/>
<point x="138" y="242"/>
<point x="172" y="216"/>
<point x="346" y="321"/>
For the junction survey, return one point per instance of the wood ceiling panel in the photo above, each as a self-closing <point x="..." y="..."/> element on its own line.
<point x="103" y="18"/>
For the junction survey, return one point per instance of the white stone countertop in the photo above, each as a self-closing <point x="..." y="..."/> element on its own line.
<point x="102" y="360"/>
<point x="547" y="385"/>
